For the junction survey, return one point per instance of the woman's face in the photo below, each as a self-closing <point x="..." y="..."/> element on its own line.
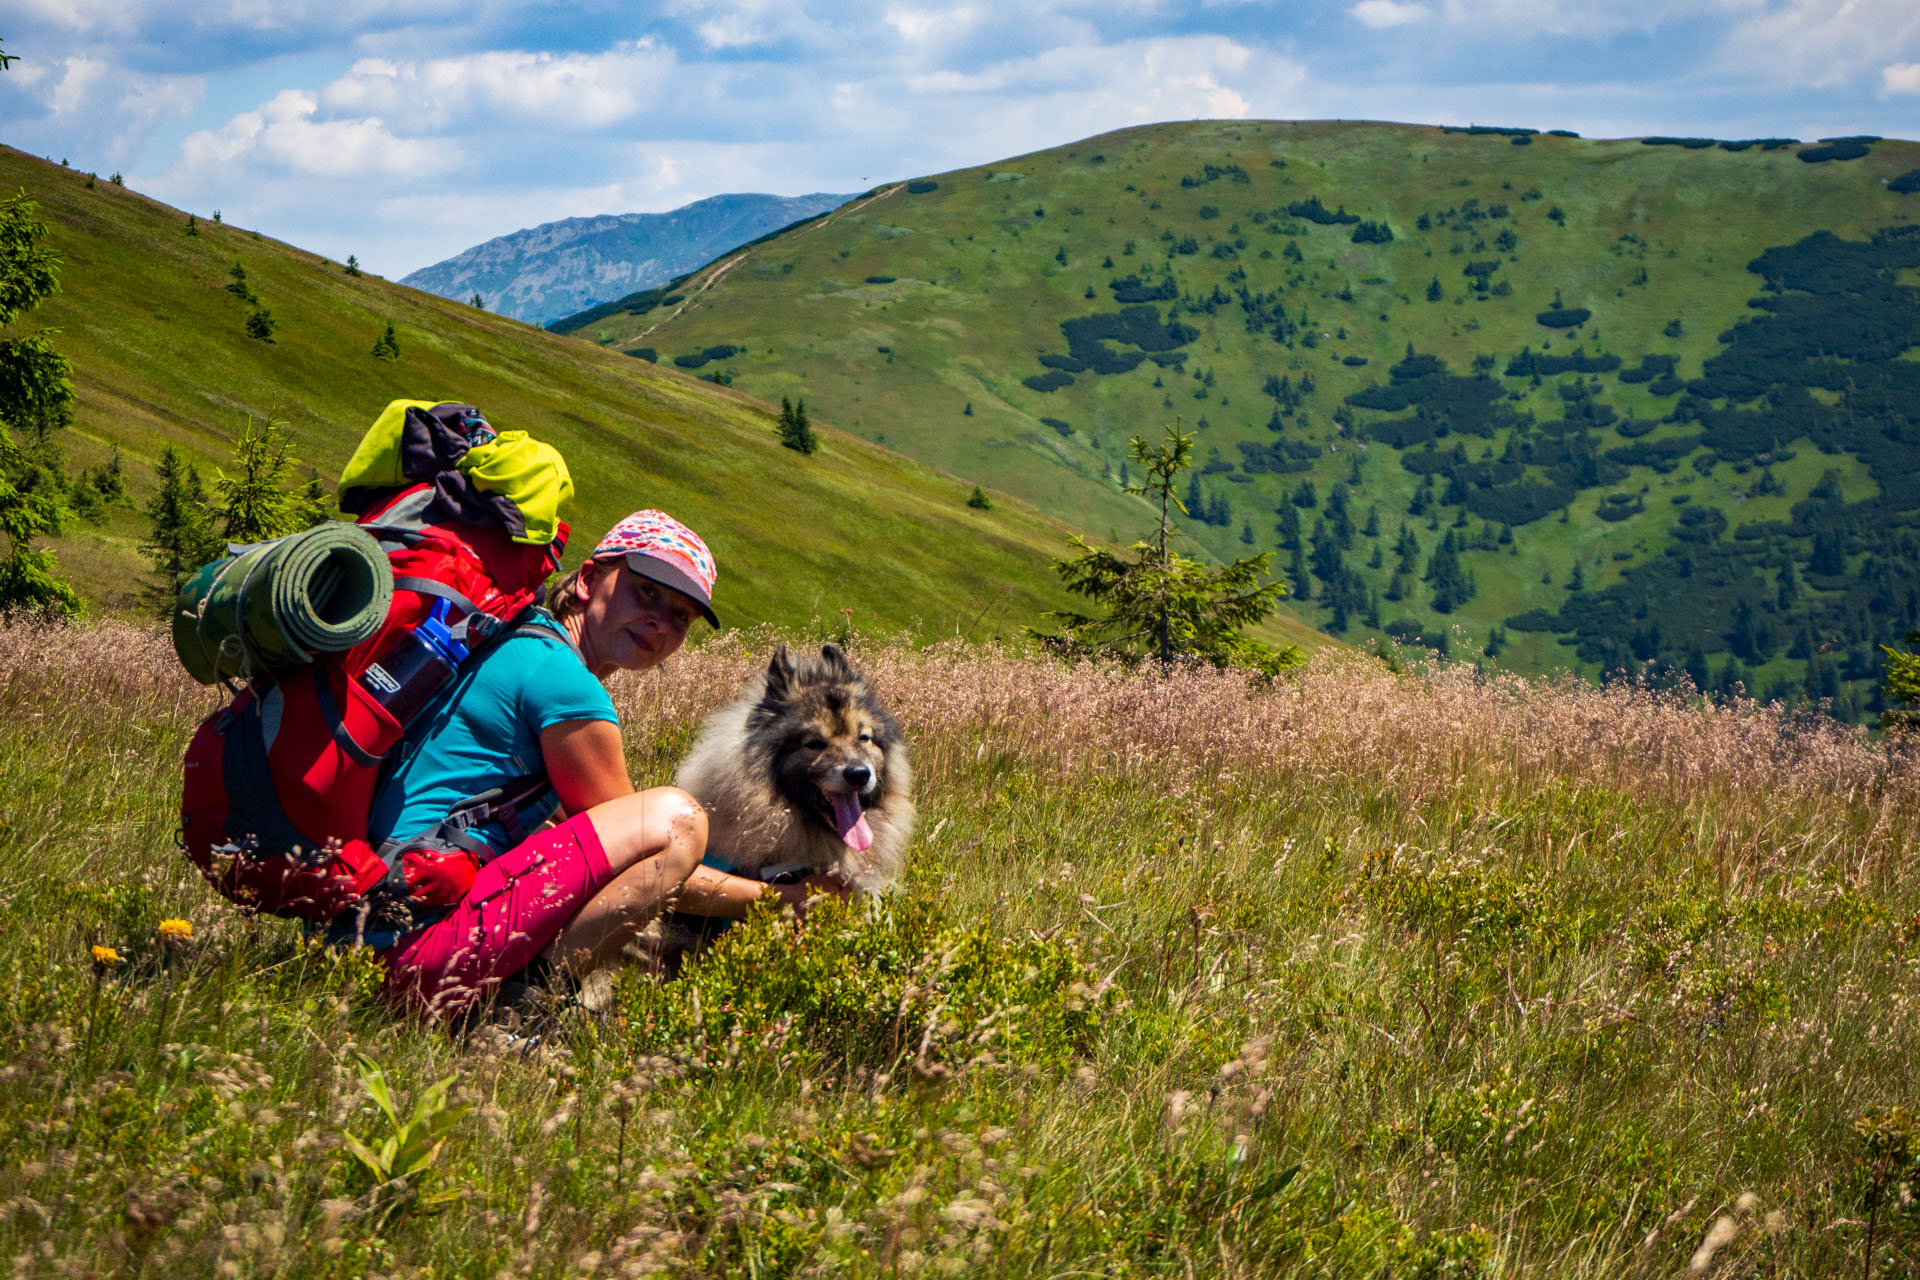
<point x="630" y="622"/>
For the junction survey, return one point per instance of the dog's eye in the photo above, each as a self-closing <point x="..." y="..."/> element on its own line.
<point x="816" y="744"/>
<point x="866" y="737"/>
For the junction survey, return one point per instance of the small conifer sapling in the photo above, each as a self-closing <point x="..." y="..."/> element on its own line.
<point x="1158" y="603"/>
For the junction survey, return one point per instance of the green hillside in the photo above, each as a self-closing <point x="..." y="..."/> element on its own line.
<point x="1545" y="358"/>
<point x="161" y="355"/>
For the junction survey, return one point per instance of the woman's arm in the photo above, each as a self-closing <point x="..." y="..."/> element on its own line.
<point x="711" y="892"/>
<point x="585" y="762"/>
<point x="588" y="767"/>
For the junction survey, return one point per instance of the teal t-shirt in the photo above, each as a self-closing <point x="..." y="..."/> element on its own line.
<point x="483" y="730"/>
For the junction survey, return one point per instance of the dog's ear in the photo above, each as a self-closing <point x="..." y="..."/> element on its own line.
<point x="780" y="674"/>
<point x="836" y="659"/>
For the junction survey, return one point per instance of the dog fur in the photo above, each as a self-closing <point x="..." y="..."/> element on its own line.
<point x="765" y="767"/>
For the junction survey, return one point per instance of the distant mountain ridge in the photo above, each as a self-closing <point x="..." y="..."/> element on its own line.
<point x="559" y="268"/>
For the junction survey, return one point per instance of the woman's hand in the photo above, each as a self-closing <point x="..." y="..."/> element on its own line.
<point x="821" y="884"/>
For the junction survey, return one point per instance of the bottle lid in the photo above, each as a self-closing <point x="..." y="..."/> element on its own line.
<point x="433" y="630"/>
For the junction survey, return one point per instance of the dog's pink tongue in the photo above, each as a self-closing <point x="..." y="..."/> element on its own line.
<point x="852" y="821"/>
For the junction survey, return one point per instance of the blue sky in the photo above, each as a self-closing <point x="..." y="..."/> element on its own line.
<point x="406" y="130"/>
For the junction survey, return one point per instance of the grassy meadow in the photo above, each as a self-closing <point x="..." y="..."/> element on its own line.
<point x="161" y="356"/>
<point x="1361" y="974"/>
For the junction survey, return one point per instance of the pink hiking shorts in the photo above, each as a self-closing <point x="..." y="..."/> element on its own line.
<point x="518" y="904"/>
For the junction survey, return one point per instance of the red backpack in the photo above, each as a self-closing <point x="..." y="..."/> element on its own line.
<point x="279" y="783"/>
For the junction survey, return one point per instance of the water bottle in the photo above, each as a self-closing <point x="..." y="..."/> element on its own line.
<point x="414" y="666"/>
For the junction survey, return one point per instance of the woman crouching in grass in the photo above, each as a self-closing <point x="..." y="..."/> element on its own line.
<point x="566" y="899"/>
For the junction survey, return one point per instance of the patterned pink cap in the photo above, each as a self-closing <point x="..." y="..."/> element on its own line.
<point x="660" y="548"/>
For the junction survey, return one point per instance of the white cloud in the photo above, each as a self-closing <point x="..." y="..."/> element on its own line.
<point x="933" y="28"/>
<point x="284" y="135"/>
<point x="86" y="106"/>
<point x="741" y="24"/>
<point x="1822" y="43"/>
<point x="557" y="91"/>
<point x="1901" y="77"/>
<point x="1387" y="13"/>
<point x="1585" y="18"/>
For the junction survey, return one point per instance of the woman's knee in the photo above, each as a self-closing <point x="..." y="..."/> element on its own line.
<point x="661" y="822"/>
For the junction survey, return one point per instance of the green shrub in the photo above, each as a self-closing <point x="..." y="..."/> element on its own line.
<point x="882" y="984"/>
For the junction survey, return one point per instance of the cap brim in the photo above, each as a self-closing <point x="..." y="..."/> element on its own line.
<point x="655" y="570"/>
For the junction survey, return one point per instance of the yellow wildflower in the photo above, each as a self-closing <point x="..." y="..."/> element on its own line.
<point x="177" y="930"/>
<point x="105" y="956"/>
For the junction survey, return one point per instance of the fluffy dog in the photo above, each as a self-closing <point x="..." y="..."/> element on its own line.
<point x="805" y="772"/>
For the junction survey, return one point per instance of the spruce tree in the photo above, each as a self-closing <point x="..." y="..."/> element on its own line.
<point x="254" y="499"/>
<point x="260" y="325"/>
<point x="180" y="528"/>
<point x="795" y="429"/>
<point x="36" y="402"/>
<point x="978" y="499"/>
<point x="387" y="345"/>
<point x="1158" y="603"/>
<point x="353" y="265"/>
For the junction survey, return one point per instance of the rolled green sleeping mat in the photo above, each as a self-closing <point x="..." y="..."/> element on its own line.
<point x="279" y="604"/>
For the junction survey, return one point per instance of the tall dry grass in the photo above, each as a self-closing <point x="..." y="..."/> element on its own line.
<point x="1427" y="974"/>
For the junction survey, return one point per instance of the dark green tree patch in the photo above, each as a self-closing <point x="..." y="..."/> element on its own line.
<point x="1661" y="455"/>
<point x="1488" y="130"/>
<point x="1276" y="458"/>
<point x="1518" y="504"/>
<point x="1088" y="336"/>
<point x="1213" y="173"/>
<point x="1906" y="184"/>
<point x="1060" y="425"/>
<point x="1619" y="506"/>
<point x="1531" y="364"/>
<point x="1130" y="289"/>
<point x="922" y="187"/>
<point x="1838" y="149"/>
<point x="1649" y="368"/>
<point x="1048" y="381"/>
<point x="1564" y="317"/>
<point x="881" y="280"/>
<point x="1373" y="233"/>
<point x="697" y="359"/>
<point x="1691" y="144"/>
<point x="1313" y="211"/>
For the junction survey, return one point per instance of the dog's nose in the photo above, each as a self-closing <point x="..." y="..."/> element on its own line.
<point x="857" y="776"/>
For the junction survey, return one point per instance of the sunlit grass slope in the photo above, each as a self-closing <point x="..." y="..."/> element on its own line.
<point x="162" y="356"/>
<point x="897" y="315"/>
<point x="1353" y="975"/>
